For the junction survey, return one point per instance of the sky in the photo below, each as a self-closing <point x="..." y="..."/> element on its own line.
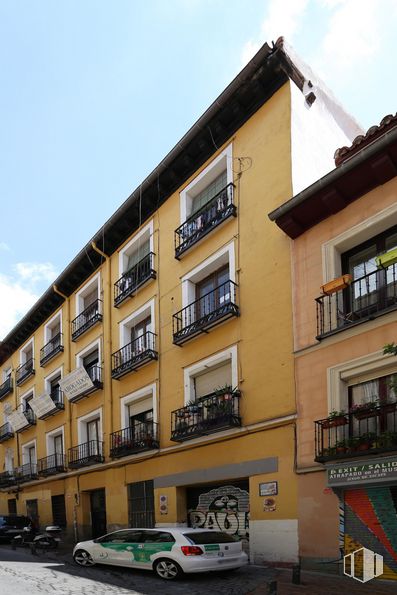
<point x="95" y="93"/>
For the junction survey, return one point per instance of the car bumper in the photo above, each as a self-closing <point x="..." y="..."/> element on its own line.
<point x="198" y="564"/>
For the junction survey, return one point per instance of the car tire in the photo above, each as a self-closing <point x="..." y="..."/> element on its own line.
<point x="167" y="569"/>
<point x="83" y="558"/>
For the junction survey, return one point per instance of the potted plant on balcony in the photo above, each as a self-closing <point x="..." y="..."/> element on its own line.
<point x="387" y="440"/>
<point x="366" y="441"/>
<point x="335" y="419"/>
<point x="336" y="284"/>
<point x="341" y="446"/>
<point x="366" y="410"/>
<point x="352" y="443"/>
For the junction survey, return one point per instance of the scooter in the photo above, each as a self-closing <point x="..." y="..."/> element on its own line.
<point x="49" y="540"/>
<point x="25" y="538"/>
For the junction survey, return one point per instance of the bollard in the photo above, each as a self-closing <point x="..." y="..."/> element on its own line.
<point x="296" y="574"/>
<point x="272" y="588"/>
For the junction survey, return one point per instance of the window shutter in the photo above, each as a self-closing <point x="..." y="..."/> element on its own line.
<point x="91" y="298"/>
<point x="213" y="379"/>
<point x="138" y="254"/>
<point x="140" y="406"/>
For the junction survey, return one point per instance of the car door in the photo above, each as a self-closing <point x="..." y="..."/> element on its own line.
<point x="152" y="542"/>
<point x="116" y="548"/>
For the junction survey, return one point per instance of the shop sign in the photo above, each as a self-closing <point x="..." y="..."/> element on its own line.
<point x="225" y="508"/>
<point x="375" y="471"/>
<point x="42" y="404"/>
<point x="17" y="420"/>
<point x="75" y="383"/>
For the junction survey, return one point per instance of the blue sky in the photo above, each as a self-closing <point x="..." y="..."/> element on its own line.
<point x="96" y="92"/>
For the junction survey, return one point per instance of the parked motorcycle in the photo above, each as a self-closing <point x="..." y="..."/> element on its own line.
<point x="25" y="538"/>
<point x="49" y="540"/>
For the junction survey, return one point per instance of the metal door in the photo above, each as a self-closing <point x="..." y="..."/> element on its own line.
<point x="98" y="512"/>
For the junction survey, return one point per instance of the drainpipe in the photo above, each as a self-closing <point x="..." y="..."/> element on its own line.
<point x="107" y="340"/>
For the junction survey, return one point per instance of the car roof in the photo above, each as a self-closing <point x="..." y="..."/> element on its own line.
<point x="181" y="530"/>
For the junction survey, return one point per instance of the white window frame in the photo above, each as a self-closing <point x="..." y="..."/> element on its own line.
<point x="136" y="396"/>
<point x="206" y="364"/>
<point x="86" y="290"/>
<point x="22" y="351"/>
<point x="49" y="439"/>
<point x="87" y="350"/>
<point x="146" y="233"/>
<point x="355" y="371"/>
<point x="360" y="233"/>
<point x="7" y="372"/>
<point x="50" y="324"/>
<point x="225" y="255"/>
<point x="27" y="394"/>
<point x="25" y="447"/>
<point x="50" y="377"/>
<point x="133" y="319"/>
<point x="223" y="161"/>
<point x="82" y="425"/>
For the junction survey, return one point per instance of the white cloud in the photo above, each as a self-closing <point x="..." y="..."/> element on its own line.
<point x="283" y="17"/>
<point x="19" y="292"/>
<point x="4" y="247"/>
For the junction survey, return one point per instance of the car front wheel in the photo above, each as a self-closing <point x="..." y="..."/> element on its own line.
<point x="167" y="569"/>
<point x="83" y="558"/>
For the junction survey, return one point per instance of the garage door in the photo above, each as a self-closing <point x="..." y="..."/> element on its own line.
<point x="371" y="522"/>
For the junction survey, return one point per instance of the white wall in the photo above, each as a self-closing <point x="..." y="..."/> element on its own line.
<point x="274" y="541"/>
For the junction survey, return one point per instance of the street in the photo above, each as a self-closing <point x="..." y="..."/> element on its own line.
<point x="24" y="574"/>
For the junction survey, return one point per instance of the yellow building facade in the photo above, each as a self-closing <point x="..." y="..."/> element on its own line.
<point x="153" y="383"/>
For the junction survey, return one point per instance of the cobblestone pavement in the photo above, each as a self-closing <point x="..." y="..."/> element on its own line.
<point x="24" y="574"/>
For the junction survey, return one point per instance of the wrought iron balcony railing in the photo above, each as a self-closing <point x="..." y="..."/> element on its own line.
<point x="52" y="464"/>
<point x="24" y="371"/>
<point x="142" y="436"/>
<point x="86" y="319"/>
<point x="134" y="355"/>
<point x="30" y="420"/>
<point x="51" y="349"/>
<point x="208" y="311"/>
<point x="26" y="472"/>
<point x="134" y="278"/>
<point x="366" y="298"/>
<point x="58" y="400"/>
<point x="366" y="431"/>
<point x="6" y="432"/>
<point x="85" y="454"/>
<point x="213" y="413"/>
<point x="6" y="388"/>
<point x="95" y="373"/>
<point x="7" y="478"/>
<point x="213" y="213"/>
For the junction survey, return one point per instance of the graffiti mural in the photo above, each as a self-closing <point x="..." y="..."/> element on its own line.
<point x="225" y="508"/>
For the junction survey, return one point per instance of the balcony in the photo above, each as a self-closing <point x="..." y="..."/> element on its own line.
<point x="213" y="413"/>
<point x="88" y="318"/>
<point x="133" y="279"/>
<point x="58" y="400"/>
<point x="6" y="388"/>
<point x="95" y="373"/>
<point x="208" y="311"/>
<point x="213" y="213"/>
<point x="134" y="355"/>
<point x="366" y="298"/>
<point x="7" y="479"/>
<point x="26" y="472"/>
<point x="51" y="349"/>
<point x="51" y="465"/>
<point x="143" y="436"/>
<point x="24" y="371"/>
<point x="30" y="420"/>
<point x="364" y="432"/>
<point x="6" y="432"/>
<point x="85" y="454"/>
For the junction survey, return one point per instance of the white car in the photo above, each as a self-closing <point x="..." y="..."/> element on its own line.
<point x="168" y="551"/>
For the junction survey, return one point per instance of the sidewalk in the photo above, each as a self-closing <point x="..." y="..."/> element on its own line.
<point x="320" y="584"/>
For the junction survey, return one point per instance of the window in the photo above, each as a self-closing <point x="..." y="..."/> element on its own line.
<point x="215" y="378"/>
<point x="89" y="428"/>
<point x="125" y="536"/>
<point x="26" y="367"/>
<point x="157" y="537"/>
<point x="53" y="328"/>
<point x="58" y="510"/>
<point x="29" y="458"/>
<point x="12" y="506"/>
<point x="138" y="328"/>
<point x="88" y="307"/>
<point x="90" y="359"/>
<point x="139" y="408"/>
<point x="55" y="442"/>
<point x="209" y="192"/>
<point x="26" y="408"/>
<point x="141" y="504"/>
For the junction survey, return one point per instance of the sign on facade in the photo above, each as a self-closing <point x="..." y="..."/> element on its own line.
<point x="41" y="404"/>
<point x="17" y="420"/>
<point x="376" y="471"/>
<point x="75" y="383"/>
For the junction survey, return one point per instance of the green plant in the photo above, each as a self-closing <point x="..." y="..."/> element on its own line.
<point x="335" y="414"/>
<point x="387" y="439"/>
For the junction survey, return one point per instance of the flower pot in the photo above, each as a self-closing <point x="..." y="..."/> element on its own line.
<point x="366" y="413"/>
<point x="389" y="407"/>
<point x="336" y="284"/>
<point x="334" y="422"/>
<point x="364" y="446"/>
<point x="386" y="260"/>
<point x="341" y="449"/>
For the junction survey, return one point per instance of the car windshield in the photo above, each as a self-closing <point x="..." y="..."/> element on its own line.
<point x="206" y="537"/>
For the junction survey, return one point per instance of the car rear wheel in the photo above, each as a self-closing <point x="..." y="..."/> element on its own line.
<point x="83" y="558"/>
<point x="167" y="569"/>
